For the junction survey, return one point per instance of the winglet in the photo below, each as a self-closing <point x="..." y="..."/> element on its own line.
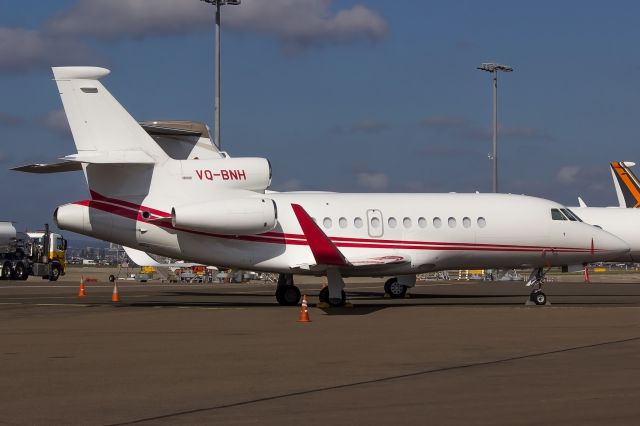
<point x="581" y="202"/>
<point x="323" y="249"/>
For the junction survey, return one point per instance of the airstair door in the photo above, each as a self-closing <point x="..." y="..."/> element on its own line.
<point x="374" y="223"/>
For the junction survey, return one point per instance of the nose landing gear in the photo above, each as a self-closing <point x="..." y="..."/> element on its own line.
<point x="537" y="296"/>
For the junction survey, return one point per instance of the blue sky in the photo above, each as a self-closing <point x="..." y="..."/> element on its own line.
<point x="369" y="96"/>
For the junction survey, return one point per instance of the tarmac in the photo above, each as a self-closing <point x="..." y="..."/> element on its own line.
<point x="452" y="353"/>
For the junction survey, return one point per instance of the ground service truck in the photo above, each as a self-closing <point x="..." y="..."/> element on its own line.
<point x="41" y="253"/>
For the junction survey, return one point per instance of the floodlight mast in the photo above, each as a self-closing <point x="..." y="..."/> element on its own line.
<point x="217" y="141"/>
<point x="493" y="69"/>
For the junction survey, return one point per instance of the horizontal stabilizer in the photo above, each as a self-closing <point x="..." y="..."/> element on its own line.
<point x="65" y="166"/>
<point x="111" y="157"/>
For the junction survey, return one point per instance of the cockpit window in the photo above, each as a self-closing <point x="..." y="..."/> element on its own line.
<point x="571" y="215"/>
<point x="557" y="215"/>
<point x="575" y="215"/>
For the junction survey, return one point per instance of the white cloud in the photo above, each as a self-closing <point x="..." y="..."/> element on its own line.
<point x="297" y="24"/>
<point x="375" y="181"/>
<point x="22" y="50"/>
<point x="568" y="174"/>
<point x="291" y="185"/>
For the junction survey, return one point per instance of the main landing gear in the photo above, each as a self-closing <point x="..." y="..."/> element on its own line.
<point x="537" y="279"/>
<point x="287" y="294"/>
<point x="396" y="287"/>
<point x="333" y="294"/>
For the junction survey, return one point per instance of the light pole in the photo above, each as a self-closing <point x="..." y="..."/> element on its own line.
<point x="493" y="69"/>
<point x="216" y="106"/>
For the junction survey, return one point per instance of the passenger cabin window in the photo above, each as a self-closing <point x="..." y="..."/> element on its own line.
<point x="466" y="222"/>
<point x="557" y="215"/>
<point x="392" y="222"/>
<point x="482" y="222"/>
<point x="342" y="222"/>
<point x="452" y="222"/>
<point x="327" y="222"/>
<point x="422" y="222"/>
<point x="375" y="223"/>
<point x="406" y="222"/>
<point x="437" y="222"/>
<point x="357" y="222"/>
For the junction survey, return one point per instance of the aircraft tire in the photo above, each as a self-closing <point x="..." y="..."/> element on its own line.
<point x="112" y="278"/>
<point x="323" y="296"/>
<point x="288" y="295"/>
<point x="539" y="298"/>
<point x="394" y="289"/>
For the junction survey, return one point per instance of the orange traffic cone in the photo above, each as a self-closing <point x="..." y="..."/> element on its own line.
<point x="115" y="297"/>
<point x="304" y="311"/>
<point x="81" y="289"/>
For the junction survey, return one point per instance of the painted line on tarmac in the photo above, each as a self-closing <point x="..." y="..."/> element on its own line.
<point x="81" y="305"/>
<point x="378" y="380"/>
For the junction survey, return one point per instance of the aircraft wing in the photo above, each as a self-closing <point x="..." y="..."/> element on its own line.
<point x="141" y="258"/>
<point x="380" y="260"/>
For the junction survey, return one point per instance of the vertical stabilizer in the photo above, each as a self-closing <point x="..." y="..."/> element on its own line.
<point x="626" y="184"/>
<point x="98" y="122"/>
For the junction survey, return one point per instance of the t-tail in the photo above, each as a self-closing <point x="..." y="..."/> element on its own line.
<point x="626" y="184"/>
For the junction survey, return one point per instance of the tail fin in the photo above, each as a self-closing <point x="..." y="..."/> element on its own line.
<point x="626" y="184"/>
<point x="117" y="155"/>
<point x="99" y="124"/>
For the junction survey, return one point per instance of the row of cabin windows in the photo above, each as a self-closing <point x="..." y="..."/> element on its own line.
<point x="407" y="222"/>
<point x="564" y="214"/>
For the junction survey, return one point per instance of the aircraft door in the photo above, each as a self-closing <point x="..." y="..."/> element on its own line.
<point x="375" y="225"/>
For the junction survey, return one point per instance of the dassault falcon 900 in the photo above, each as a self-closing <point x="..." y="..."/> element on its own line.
<point x="159" y="188"/>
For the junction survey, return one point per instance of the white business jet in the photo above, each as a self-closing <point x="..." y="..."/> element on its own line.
<point x="622" y="221"/>
<point x="209" y="208"/>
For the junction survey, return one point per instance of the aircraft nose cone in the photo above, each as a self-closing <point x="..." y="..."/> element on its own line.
<point x="611" y="246"/>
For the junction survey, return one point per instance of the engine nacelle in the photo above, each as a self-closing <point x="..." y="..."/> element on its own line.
<point x="232" y="216"/>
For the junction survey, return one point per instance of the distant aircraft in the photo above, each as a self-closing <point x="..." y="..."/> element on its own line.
<point x="621" y="221"/>
<point x="150" y="191"/>
<point x="626" y="184"/>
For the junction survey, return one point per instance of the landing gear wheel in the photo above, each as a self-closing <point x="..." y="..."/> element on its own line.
<point x="394" y="289"/>
<point x="112" y="278"/>
<point x="20" y="272"/>
<point x="55" y="273"/>
<point x="7" y="271"/>
<point x="538" y="297"/>
<point x="288" y="295"/>
<point x="324" y="297"/>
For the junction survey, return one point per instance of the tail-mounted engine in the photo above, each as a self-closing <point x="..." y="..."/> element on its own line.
<point x="235" y="216"/>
